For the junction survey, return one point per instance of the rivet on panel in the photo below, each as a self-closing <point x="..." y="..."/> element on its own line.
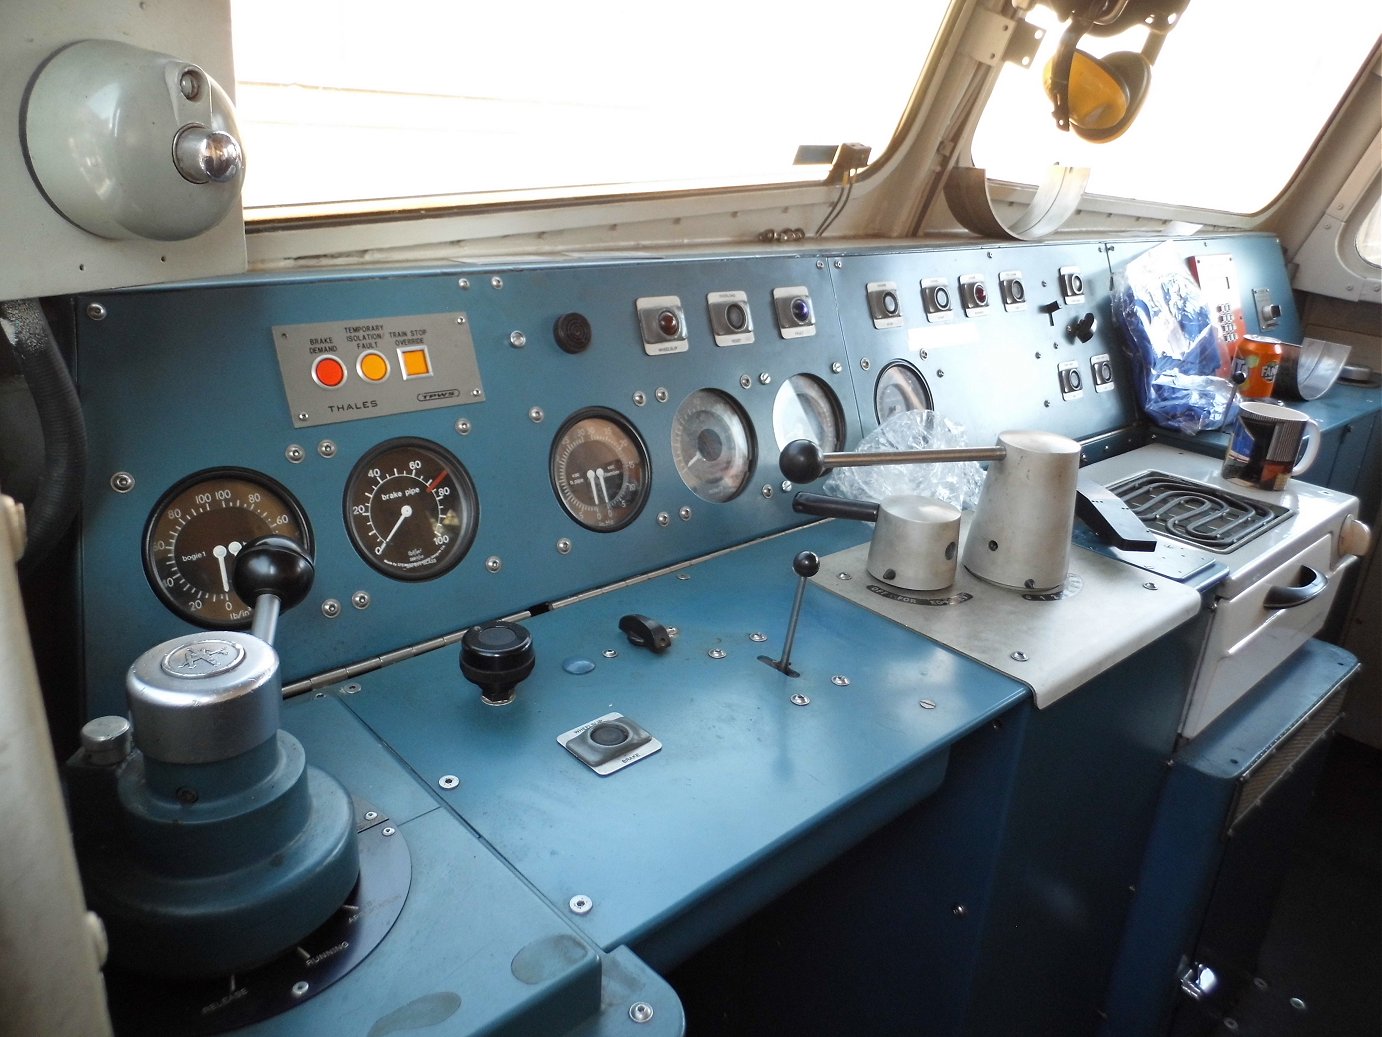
<point x="462" y="427"/>
<point x="580" y="904"/>
<point x="326" y="448"/>
<point x="449" y="781"/>
<point x="661" y="395"/>
<point x="717" y="653"/>
<point x="840" y="680"/>
<point x="493" y="563"/>
<point x="926" y="704"/>
<point x="641" y="1012"/>
<point x="294" y="453"/>
<point x="122" y="482"/>
<point x="517" y="339"/>
<point x="800" y="700"/>
<point x="496" y="282"/>
<point x="360" y="599"/>
<point x="331" y="608"/>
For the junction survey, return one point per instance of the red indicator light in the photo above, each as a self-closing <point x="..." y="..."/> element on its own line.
<point x="328" y="372"/>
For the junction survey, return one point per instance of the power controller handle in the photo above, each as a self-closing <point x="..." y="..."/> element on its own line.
<point x="273" y="573"/>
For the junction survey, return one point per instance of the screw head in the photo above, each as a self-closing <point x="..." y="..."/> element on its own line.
<point x="799" y="699"/>
<point x="493" y="563"/>
<point x="640" y="1012"/>
<point x="535" y="415"/>
<point x="745" y="382"/>
<point x="496" y="282"/>
<point x="449" y="781"/>
<point x="661" y="395"/>
<point x="294" y="453"/>
<point x="758" y="637"/>
<point x="122" y="482"/>
<point x="580" y="904"/>
<point x="865" y="364"/>
<point x="639" y="399"/>
<point x="517" y="339"/>
<point x="331" y="608"/>
<point x="610" y="653"/>
<point x="326" y="448"/>
<point x="462" y="427"/>
<point x="95" y="311"/>
<point x="717" y="653"/>
<point x="840" y="680"/>
<point x="360" y="599"/>
<point x="1019" y="657"/>
<point x="926" y="704"/>
<point x="463" y="284"/>
<point x="764" y="378"/>
<point x="563" y="546"/>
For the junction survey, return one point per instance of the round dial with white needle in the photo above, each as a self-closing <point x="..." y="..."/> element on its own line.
<point x="600" y="469"/>
<point x="411" y="509"/>
<point x="712" y="445"/>
<point x="196" y="531"/>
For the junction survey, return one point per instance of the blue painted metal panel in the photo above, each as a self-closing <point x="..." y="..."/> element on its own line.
<point x="1190" y="839"/>
<point x="749" y="792"/>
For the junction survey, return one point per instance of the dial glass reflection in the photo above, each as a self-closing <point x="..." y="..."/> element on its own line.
<point x="900" y="387"/>
<point x="805" y="408"/>
<point x="712" y="445"/>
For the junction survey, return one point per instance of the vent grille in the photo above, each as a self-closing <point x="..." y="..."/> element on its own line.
<point x="1280" y="758"/>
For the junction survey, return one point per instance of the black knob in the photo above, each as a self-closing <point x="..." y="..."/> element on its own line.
<point x="273" y="565"/>
<point x="800" y="461"/>
<point x="497" y="656"/>
<point x="806" y="563"/>
<point x="1086" y="326"/>
<point x="573" y="332"/>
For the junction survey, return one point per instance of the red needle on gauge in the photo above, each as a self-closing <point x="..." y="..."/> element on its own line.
<point x="441" y="476"/>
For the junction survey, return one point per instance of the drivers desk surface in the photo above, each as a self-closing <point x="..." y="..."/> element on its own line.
<point x="749" y="794"/>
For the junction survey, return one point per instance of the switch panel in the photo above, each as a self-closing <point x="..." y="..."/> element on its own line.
<point x="795" y="316"/>
<point x="935" y="300"/>
<point x="663" y="324"/>
<point x="731" y="320"/>
<point x="884" y="307"/>
<point x="1071" y="382"/>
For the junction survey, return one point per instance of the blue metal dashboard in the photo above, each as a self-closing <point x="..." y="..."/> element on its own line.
<point x="751" y="791"/>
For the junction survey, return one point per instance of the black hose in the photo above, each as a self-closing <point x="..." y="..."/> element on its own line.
<point x="60" y="417"/>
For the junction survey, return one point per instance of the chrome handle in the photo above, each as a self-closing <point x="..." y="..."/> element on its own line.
<point x="1316" y="583"/>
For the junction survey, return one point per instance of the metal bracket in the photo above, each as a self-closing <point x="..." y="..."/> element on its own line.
<point x="991" y="38"/>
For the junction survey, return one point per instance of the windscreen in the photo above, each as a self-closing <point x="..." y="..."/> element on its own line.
<point x="356" y="105"/>
<point x="1238" y="96"/>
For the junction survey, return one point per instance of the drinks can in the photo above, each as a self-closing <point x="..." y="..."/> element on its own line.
<point x="1257" y="359"/>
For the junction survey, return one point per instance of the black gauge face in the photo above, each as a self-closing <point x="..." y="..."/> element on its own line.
<point x="900" y="387"/>
<point x="196" y="532"/>
<point x="411" y="509"/>
<point x="712" y="445"/>
<point x="805" y="408"/>
<point x="600" y="470"/>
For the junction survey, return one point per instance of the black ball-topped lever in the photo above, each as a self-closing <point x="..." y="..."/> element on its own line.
<point x="272" y="573"/>
<point x="806" y="564"/>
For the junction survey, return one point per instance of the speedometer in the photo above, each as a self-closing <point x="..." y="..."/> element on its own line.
<point x="196" y="532"/>
<point x="712" y="445"/>
<point x="411" y="509"/>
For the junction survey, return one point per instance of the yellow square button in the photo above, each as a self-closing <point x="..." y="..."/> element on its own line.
<point x="415" y="362"/>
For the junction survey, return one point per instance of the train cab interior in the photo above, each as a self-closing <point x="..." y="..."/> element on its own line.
<point x="582" y="521"/>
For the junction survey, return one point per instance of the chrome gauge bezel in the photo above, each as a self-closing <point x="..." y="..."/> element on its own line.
<point x="824" y="424"/>
<point x="721" y="477"/>
<point x="188" y="586"/>
<point x="621" y="442"/>
<point x="907" y="380"/>
<point x="395" y="544"/>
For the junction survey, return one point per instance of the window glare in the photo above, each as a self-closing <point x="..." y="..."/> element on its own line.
<point x="347" y="100"/>
<point x="1238" y="85"/>
<point x="1369" y="239"/>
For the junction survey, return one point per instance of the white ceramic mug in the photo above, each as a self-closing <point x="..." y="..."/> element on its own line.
<point x="1269" y="444"/>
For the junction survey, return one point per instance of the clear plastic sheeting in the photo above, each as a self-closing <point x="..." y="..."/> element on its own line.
<point x="955" y="482"/>
<point x="1169" y="333"/>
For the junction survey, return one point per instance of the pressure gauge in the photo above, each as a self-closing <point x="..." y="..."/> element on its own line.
<point x="805" y="408"/>
<point x="900" y="387"/>
<point x="712" y="445"/>
<point x="199" y="526"/>
<point x="411" y="509"/>
<point x="600" y="469"/>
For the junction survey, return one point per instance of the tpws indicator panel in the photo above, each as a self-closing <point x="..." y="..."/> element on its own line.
<point x="344" y="371"/>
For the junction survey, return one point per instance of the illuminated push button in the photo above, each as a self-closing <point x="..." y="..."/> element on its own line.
<point x="373" y="367"/>
<point x="328" y="372"/>
<point x="415" y="362"/>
